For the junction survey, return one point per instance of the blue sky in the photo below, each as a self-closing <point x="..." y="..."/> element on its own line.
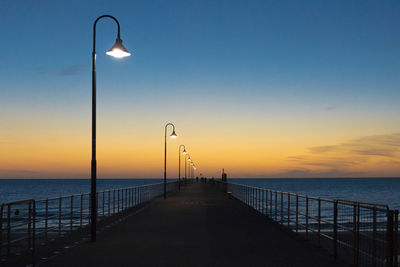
<point x="322" y="64"/>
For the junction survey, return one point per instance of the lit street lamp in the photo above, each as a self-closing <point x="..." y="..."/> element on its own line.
<point x="118" y="51"/>
<point x="179" y="175"/>
<point x="173" y="135"/>
<point x="188" y="167"/>
<point x="186" y="155"/>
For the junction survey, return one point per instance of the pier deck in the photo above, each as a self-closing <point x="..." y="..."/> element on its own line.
<point x="198" y="226"/>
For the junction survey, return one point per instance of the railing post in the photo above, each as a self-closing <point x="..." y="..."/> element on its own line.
<point x="59" y="215"/>
<point x="319" y="221"/>
<point x="335" y="226"/>
<point x="103" y="202"/>
<point x="118" y="200"/>
<point x="306" y="217"/>
<point x="262" y="201"/>
<point x="396" y="237"/>
<point x="247" y="195"/>
<point x="81" y="212"/>
<point x="8" y="229"/>
<point x="71" y="222"/>
<point x="270" y="204"/>
<point x="282" y="219"/>
<point x="389" y="239"/>
<point x="46" y="219"/>
<point x="34" y="232"/>
<point x="374" y="237"/>
<point x="114" y="201"/>
<point x="297" y="213"/>
<point x="252" y="197"/>
<point x="109" y="202"/>
<point x="29" y="225"/>
<point x="355" y="233"/>
<point x="1" y="229"/>
<point x="288" y="210"/>
<point x="276" y="205"/>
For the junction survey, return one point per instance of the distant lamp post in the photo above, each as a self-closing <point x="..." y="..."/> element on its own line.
<point x="118" y="51"/>
<point x="186" y="160"/>
<point x="189" y="169"/>
<point x="179" y="175"/>
<point x="173" y="135"/>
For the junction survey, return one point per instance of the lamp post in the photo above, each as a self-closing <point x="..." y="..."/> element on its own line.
<point x="186" y="155"/>
<point x="118" y="51"/>
<point x="179" y="175"/>
<point x="188" y="162"/>
<point x="173" y="135"/>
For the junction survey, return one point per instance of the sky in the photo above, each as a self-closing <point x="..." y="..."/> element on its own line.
<point x="260" y="88"/>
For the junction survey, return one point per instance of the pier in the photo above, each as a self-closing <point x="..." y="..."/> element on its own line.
<point x="201" y="224"/>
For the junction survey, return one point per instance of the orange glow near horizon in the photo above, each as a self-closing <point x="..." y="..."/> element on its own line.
<point x="38" y="152"/>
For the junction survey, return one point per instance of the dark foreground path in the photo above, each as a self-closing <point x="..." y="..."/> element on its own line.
<point x="198" y="226"/>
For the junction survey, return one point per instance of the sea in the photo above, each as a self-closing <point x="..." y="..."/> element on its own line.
<point x="373" y="190"/>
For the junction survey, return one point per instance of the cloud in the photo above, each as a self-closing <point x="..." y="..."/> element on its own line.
<point x="71" y="70"/>
<point x="307" y="173"/>
<point x="375" y="145"/>
<point x="358" y="157"/>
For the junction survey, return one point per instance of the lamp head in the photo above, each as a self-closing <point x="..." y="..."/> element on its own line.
<point x="174" y="135"/>
<point x="189" y="159"/>
<point x="184" y="152"/>
<point x="118" y="50"/>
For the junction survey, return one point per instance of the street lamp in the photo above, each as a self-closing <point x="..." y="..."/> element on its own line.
<point x="173" y="135"/>
<point x="189" y="160"/>
<point x="179" y="176"/>
<point x="118" y="51"/>
<point x="186" y="155"/>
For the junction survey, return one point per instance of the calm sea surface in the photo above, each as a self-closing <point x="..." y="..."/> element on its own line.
<point x="375" y="190"/>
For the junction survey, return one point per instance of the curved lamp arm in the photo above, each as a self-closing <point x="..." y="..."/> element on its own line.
<point x="94" y="29"/>
<point x="173" y="129"/>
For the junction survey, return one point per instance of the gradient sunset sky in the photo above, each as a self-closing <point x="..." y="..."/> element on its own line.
<point x="260" y="88"/>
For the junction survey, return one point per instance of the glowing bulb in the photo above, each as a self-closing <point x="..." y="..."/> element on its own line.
<point x="173" y="135"/>
<point x="118" y="50"/>
<point x="118" y="53"/>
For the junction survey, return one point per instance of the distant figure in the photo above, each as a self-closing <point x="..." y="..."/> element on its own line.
<point x="224" y="176"/>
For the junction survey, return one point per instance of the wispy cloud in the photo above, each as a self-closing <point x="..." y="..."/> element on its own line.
<point x="71" y="70"/>
<point x="307" y="173"/>
<point x="348" y="158"/>
<point x="375" y="145"/>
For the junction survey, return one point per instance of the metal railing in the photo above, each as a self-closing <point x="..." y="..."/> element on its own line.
<point x="356" y="233"/>
<point x="25" y="223"/>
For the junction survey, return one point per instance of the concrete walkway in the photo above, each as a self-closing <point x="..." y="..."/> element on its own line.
<point x="198" y="226"/>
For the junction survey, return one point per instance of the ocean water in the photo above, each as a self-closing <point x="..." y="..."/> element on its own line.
<point x="374" y="190"/>
<point x="19" y="189"/>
